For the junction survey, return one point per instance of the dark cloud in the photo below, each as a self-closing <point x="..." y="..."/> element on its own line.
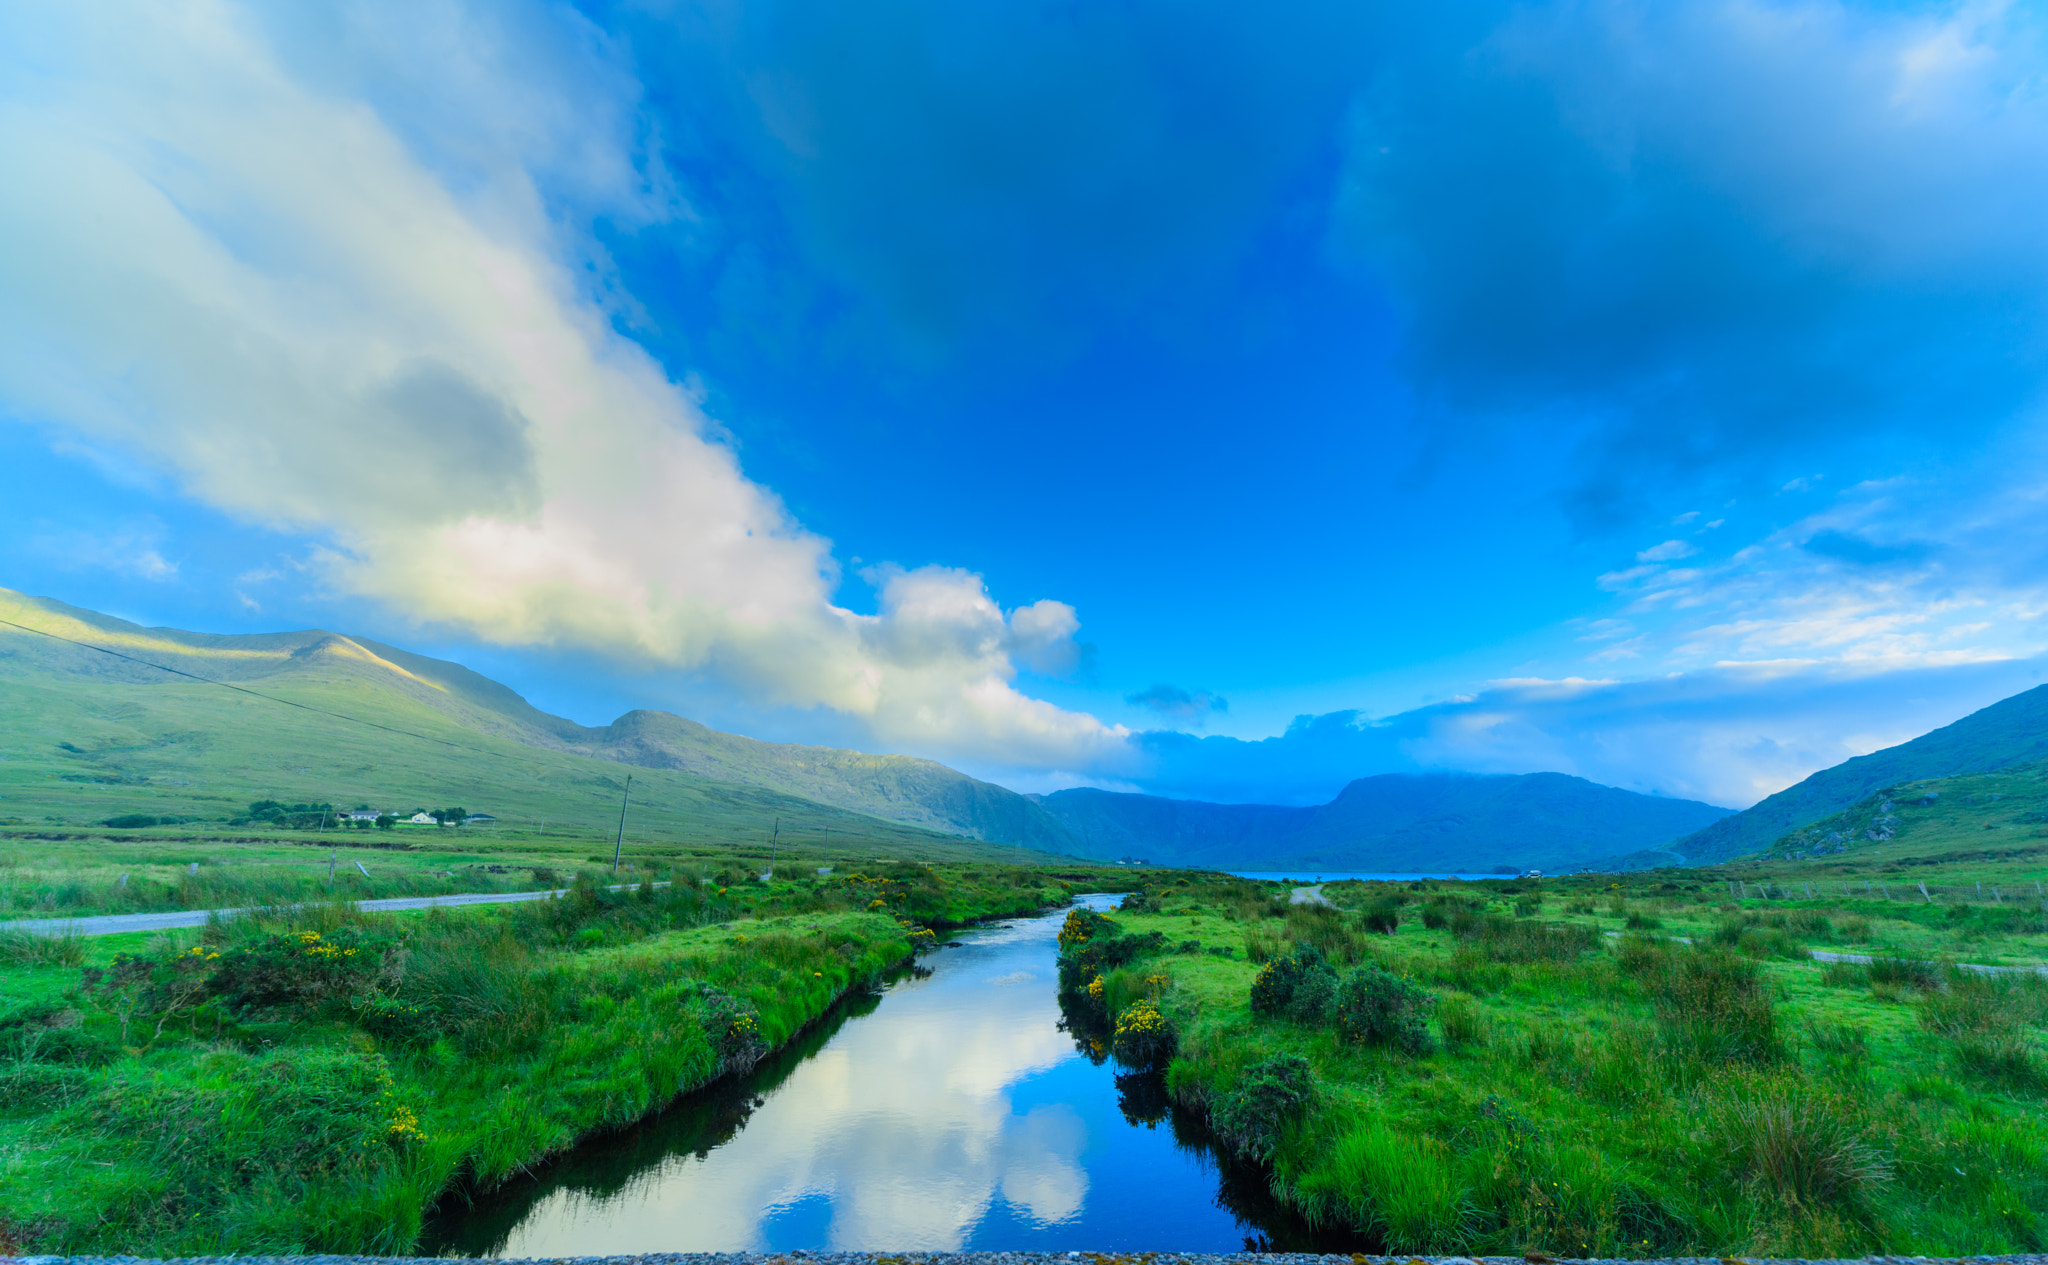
<point x="1188" y="707"/>
<point x="1698" y="236"/>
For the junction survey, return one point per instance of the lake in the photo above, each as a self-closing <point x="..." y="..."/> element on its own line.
<point x="1339" y="876"/>
<point x="950" y="1110"/>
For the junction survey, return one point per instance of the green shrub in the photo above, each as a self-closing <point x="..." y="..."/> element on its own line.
<point x="1271" y="1096"/>
<point x="1377" y="1007"/>
<point x="1275" y="986"/>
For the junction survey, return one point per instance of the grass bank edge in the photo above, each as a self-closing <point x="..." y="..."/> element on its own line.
<point x="1549" y="1112"/>
<point x="128" y="1157"/>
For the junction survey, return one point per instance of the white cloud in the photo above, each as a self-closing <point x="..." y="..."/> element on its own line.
<point x="133" y="549"/>
<point x="1669" y="551"/>
<point x="256" y="286"/>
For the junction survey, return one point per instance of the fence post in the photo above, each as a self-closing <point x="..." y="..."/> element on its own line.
<point x="1886" y="890"/>
<point x="1923" y="893"/>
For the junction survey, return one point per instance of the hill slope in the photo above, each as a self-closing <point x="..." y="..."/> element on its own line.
<point x="2011" y="732"/>
<point x="84" y="736"/>
<point x="1395" y="821"/>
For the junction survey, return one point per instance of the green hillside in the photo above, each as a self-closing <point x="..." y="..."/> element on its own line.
<point x="85" y="738"/>
<point x="898" y="788"/>
<point x="1391" y="822"/>
<point x="2005" y="734"/>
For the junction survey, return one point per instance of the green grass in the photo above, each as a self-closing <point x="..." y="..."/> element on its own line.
<point x="315" y="1082"/>
<point x="86" y="739"/>
<point x="1591" y="1095"/>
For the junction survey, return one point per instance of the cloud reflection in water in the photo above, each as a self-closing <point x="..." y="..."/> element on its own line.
<point x="899" y="1133"/>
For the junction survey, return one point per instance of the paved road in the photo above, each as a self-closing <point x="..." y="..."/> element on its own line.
<point x="1864" y="959"/>
<point x="114" y="924"/>
<point x="1310" y="896"/>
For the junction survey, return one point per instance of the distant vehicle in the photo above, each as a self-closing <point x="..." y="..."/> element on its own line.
<point x="1530" y="874"/>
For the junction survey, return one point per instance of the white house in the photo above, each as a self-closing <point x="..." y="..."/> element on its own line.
<point x="421" y="819"/>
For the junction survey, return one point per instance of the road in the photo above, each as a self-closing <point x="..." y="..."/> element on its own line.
<point x="114" y="924"/>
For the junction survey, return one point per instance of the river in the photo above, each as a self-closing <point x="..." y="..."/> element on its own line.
<point x="947" y="1111"/>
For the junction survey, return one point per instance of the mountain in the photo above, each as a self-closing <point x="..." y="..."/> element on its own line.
<point x="85" y="736"/>
<point x="1395" y="821"/>
<point x="2011" y="732"/>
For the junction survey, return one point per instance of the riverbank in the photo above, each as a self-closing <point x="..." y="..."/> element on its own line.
<point x="1441" y="1069"/>
<point x="318" y="1080"/>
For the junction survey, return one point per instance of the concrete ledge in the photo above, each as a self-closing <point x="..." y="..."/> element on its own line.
<point x="807" y="1257"/>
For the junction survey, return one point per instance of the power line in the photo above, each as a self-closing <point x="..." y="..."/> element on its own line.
<point x="318" y="711"/>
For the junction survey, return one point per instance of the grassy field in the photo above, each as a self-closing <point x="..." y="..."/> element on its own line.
<point x="316" y="1082"/>
<point x="1551" y="1066"/>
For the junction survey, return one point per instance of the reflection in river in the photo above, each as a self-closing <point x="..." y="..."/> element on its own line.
<point x="951" y="1111"/>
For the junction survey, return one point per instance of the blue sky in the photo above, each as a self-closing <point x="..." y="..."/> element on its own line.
<point x="1173" y="397"/>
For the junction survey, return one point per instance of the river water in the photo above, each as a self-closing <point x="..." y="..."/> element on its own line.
<point x="948" y="1111"/>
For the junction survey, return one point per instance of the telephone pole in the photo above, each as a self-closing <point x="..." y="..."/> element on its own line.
<point x="625" y="799"/>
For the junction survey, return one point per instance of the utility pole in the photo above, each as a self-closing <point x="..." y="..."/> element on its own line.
<point x="772" y="840"/>
<point x="621" y="844"/>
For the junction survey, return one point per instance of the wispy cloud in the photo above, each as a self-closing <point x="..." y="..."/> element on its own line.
<point x="1185" y="707"/>
<point x="132" y="550"/>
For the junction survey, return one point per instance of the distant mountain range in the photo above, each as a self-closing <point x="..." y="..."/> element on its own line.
<point x="2011" y="732"/>
<point x="1396" y="822"/>
<point x="107" y="731"/>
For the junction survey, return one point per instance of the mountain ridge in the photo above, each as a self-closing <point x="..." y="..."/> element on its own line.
<point x="2009" y="732"/>
<point x="1390" y="821"/>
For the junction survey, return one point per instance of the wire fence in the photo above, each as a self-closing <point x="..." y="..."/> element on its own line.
<point x="2025" y="895"/>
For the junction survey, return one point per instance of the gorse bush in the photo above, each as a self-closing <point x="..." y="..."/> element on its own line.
<point x="1144" y="1038"/>
<point x="1091" y="944"/>
<point x="1268" y="1099"/>
<point x="1302" y="975"/>
<point x="1377" y="1007"/>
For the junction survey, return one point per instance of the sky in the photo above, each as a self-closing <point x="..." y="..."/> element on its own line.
<point x="1196" y="399"/>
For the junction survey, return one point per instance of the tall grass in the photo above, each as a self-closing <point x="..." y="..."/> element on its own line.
<point x="1712" y="1006"/>
<point x="1402" y="1190"/>
<point x="28" y="948"/>
<point x="1804" y="1146"/>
